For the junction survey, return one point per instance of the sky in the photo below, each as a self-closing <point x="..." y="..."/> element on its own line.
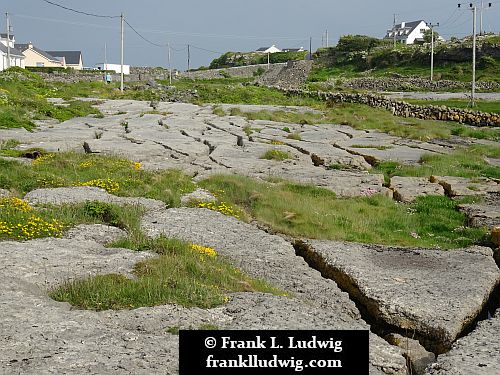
<point x="212" y="27"/>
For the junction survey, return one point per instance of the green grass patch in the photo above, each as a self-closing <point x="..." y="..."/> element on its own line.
<point x="480" y="105"/>
<point x="466" y="162"/>
<point x="118" y="176"/>
<point x="363" y="117"/>
<point x="277" y="155"/>
<point x="183" y="274"/>
<point x="376" y="147"/>
<point x="311" y="212"/>
<point x="23" y="98"/>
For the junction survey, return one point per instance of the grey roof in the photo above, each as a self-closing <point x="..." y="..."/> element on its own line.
<point x="261" y="49"/>
<point x="23" y="47"/>
<point x="13" y="51"/>
<point x="410" y="26"/>
<point x="71" y="57"/>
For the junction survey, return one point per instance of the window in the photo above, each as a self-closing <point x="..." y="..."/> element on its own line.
<point x="40" y="64"/>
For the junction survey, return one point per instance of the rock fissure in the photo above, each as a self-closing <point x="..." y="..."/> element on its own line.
<point x="388" y="316"/>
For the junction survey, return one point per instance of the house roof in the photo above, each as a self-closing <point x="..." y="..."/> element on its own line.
<point x="23" y="47"/>
<point x="13" y="51"/>
<point x="71" y="57"/>
<point x="409" y="27"/>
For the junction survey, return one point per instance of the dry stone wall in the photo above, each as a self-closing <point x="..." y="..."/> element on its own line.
<point x="237" y="72"/>
<point x="403" y="109"/>
<point x="414" y="83"/>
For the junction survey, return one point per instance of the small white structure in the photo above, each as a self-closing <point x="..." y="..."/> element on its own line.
<point x="272" y="49"/>
<point x="408" y="32"/>
<point x="16" y="57"/>
<point x="117" y="68"/>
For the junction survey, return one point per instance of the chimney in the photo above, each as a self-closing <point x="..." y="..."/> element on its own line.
<point x="30" y="45"/>
<point x="403" y="24"/>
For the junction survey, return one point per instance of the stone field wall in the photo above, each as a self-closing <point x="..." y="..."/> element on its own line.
<point x="403" y="109"/>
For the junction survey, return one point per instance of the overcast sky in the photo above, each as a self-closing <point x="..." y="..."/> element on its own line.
<point x="219" y="25"/>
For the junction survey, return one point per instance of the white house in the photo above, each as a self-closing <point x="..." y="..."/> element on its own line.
<point x="117" y="68"/>
<point x="16" y="57"/>
<point x="272" y="49"/>
<point x="408" y="32"/>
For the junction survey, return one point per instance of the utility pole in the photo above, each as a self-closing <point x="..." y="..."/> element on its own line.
<point x="310" y="48"/>
<point x="268" y="60"/>
<point x="8" y="40"/>
<point x="105" y="57"/>
<point x="394" y="30"/>
<point x="189" y="59"/>
<point x="432" y="47"/>
<point x="121" y="59"/>
<point x="327" y="38"/>
<point x="473" y="96"/>
<point x="481" y="30"/>
<point x="169" y="65"/>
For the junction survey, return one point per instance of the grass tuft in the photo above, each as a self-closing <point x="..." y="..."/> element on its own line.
<point x="183" y="274"/>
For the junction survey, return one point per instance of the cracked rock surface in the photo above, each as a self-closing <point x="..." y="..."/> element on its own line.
<point x="191" y="138"/>
<point x="273" y="259"/>
<point x="434" y="293"/>
<point x="475" y="354"/>
<point x="41" y="336"/>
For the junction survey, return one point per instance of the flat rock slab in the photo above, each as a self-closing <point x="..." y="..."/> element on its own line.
<point x="4" y="193"/>
<point x="407" y="189"/>
<point x="484" y="214"/>
<point x="82" y="194"/>
<point x="432" y="292"/>
<point x="102" y="234"/>
<point x="461" y="186"/>
<point x="270" y="258"/>
<point x="475" y="354"/>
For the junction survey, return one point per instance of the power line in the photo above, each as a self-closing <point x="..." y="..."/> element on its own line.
<point x="78" y="11"/>
<point x="144" y="38"/>
<point x="207" y="50"/>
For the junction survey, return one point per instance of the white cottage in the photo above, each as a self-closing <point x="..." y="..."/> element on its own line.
<point x="16" y="57"/>
<point x="272" y="49"/>
<point x="408" y="32"/>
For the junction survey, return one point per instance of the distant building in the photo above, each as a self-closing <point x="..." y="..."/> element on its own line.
<point x="301" y="49"/>
<point x="16" y="57"/>
<point x="35" y="57"/>
<point x="408" y="32"/>
<point x="71" y="59"/>
<point x="117" y="68"/>
<point x="272" y="49"/>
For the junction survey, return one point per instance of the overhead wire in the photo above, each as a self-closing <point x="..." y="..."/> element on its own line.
<point x="78" y="11"/>
<point x="143" y="37"/>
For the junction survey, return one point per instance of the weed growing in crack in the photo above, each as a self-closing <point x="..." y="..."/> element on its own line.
<point x="277" y="155"/>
